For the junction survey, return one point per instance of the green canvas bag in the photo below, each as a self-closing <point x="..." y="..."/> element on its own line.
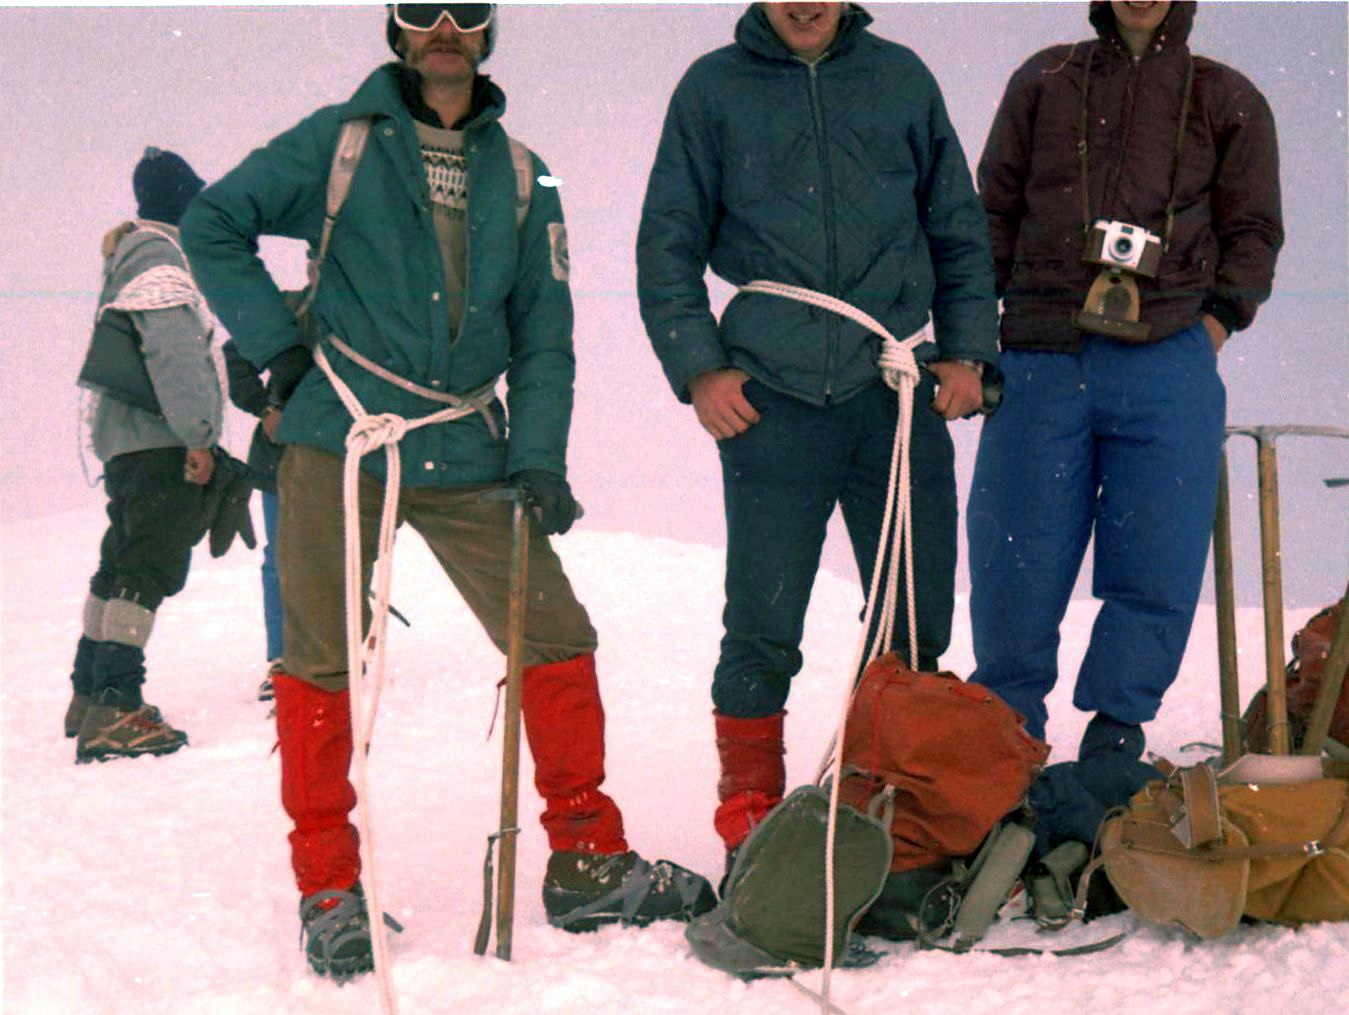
<point x="771" y="920"/>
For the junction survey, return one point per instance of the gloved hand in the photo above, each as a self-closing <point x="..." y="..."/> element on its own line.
<point x="285" y="371"/>
<point x="550" y="497"/>
<point x="226" y="506"/>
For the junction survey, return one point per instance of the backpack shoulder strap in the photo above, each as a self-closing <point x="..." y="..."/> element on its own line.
<point x="346" y="157"/>
<point x="523" y="161"/>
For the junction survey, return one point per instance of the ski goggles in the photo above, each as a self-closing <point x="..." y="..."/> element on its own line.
<point x="426" y="17"/>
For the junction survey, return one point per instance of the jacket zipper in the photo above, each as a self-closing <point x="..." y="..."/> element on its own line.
<point x="1128" y="104"/>
<point x="468" y="150"/>
<point x="831" y="247"/>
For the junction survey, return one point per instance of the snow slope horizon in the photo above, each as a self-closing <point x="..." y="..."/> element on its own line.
<point x="163" y="885"/>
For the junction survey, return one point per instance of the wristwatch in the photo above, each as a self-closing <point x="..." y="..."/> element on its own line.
<point x="977" y="365"/>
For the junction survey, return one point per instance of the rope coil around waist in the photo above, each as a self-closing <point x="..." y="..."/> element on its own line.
<point x="475" y="401"/>
<point x="896" y="359"/>
<point x="365" y="662"/>
<point x="899" y="368"/>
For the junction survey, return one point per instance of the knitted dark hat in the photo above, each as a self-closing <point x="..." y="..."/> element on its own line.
<point x="164" y="184"/>
<point x="392" y="32"/>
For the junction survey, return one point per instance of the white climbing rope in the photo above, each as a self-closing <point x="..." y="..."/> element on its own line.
<point x="900" y="372"/>
<point x="365" y="661"/>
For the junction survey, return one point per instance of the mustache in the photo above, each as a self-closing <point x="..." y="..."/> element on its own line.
<point x="444" y="47"/>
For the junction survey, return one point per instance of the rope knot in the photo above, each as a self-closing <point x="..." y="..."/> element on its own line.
<point x="370" y="432"/>
<point x="897" y="363"/>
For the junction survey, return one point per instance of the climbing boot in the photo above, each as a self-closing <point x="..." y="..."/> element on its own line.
<point x="75" y="713"/>
<point x="110" y="732"/>
<point x="1105" y="734"/>
<point x="82" y="674"/>
<point x="335" y="931"/>
<point x="584" y="891"/>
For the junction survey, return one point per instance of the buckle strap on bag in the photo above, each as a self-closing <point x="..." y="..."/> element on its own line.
<point x="1198" y="819"/>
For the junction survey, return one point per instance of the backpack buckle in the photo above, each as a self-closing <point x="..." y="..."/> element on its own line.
<point x="1314" y="848"/>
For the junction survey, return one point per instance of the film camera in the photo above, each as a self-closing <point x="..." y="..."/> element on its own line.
<point x="1112" y="305"/>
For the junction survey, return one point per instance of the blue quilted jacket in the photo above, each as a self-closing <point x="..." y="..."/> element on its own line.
<point x="845" y="177"/>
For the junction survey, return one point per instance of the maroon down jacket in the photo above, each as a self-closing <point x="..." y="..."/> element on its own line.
<point x="1227" y="224"/>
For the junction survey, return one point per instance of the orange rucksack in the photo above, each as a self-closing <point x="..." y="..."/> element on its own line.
<point x="1306" y="670"/>
<point x="957" y="758"/>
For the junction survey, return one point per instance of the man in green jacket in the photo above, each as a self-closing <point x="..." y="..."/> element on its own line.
<point x="434" y="276"/>
<point x="816" y="154"/>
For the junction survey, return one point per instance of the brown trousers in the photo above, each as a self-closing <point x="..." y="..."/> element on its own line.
<point x="470" y="537"/>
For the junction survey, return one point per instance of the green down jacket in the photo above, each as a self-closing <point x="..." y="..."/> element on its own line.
<point x="845" y="177"/>
<point x="381" y="288"/>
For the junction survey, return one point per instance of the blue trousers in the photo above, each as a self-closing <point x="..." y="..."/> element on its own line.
<point x="1120" y="442"/>
<point x="272" y="614"/>
<point x="782" y="479"/>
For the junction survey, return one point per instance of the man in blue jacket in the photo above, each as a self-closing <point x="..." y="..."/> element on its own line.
<point x="424" y="293"/>
<point x="812" y="153"/>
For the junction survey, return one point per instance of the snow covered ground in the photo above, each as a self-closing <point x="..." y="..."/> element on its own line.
<point x="163" y="885"/>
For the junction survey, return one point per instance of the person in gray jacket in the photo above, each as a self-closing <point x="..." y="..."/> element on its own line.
<point x="156" y="468"/>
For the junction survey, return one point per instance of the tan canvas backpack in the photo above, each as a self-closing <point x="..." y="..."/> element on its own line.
<point x="1267" y="838"/>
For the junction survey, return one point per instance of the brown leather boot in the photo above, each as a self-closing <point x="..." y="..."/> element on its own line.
<point x="108" y="732"/>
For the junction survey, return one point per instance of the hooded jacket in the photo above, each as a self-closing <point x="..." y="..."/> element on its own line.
<point x="844" y="176"/>
<point x="1228" y="224"/>
<point x="381" y="287"/>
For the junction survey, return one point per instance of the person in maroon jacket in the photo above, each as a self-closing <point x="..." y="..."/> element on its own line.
<point x="1132" y="192"/>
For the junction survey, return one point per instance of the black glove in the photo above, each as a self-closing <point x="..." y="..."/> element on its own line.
<point x="226" y="511"/>
<point x="285" y="372"/>
<point x="550" y="497"/>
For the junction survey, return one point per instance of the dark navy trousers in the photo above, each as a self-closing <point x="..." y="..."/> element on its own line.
<point x="1120" y="443"/>
<point x="782" y="479"/>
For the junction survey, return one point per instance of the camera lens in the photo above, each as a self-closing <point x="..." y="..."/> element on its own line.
<point x="1122" y="247"/>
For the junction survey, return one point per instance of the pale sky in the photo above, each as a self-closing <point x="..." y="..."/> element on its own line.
<point x="83" y="91"/>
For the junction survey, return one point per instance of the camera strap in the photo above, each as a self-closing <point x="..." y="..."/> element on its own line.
<point x="1084" y="157"/>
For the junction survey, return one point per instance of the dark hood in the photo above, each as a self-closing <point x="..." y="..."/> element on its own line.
<point x="1173" y="31"/>
<point x="395" y="86"/>
<point x="487" y="98"/>
<point x="755" y="33"/>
